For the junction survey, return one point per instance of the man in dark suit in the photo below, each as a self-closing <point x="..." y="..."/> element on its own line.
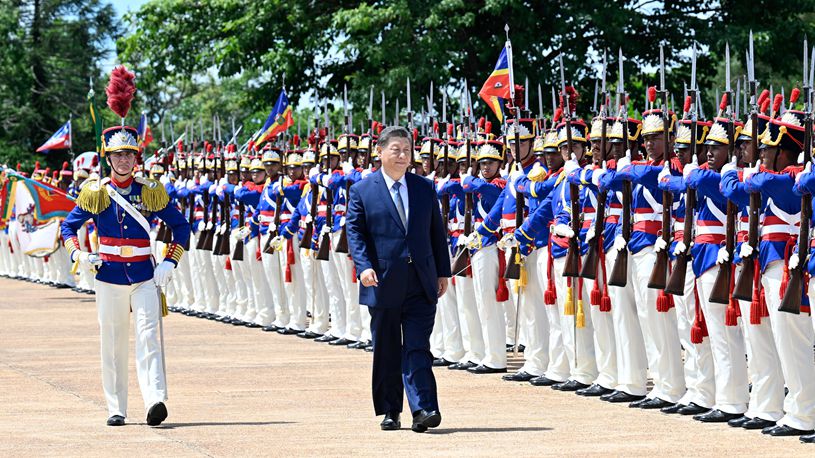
<point x="398" y="241"/>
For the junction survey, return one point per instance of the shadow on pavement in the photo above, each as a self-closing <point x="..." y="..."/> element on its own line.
<point x="215" y="423"/>
<point x="512" y="429"/>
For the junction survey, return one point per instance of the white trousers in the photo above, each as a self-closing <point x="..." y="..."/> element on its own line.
<point x="334" y="293"/>
<point x="242" y="279"/>
<point x="700" y="382"/>
<point x="264" y="301"/>
<point x="5" y="254"/>
<point x="659" y="330"/>
<point x="447" y="319"/>
<point x="295" y="289"/>
<point x="472" y="338"/>
<point x="350" y="290"/>
<point x="532" y="316"/>
<point x="114" y="303"/>
<point x="558" y="367"/>
<point x="793" y="335"/>
<point x="274" y="276"/>
<point x="763" y="367"/>
<point x="727" y="346"/>
<point x="316" y="292"/>
<point x="490" y="312"/>
<point x="605" y="352"/>
<point x="577" y="342"/>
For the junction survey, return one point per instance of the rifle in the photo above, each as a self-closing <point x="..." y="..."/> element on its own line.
<point x="791" y="302"/>
<point x="163" y="235"/>
<point x="676" y="282"/>
<point x="308" y="232"/>
<point x="342" y="243"/>
<point x="720" y="293"/>
<point x="619" y="272"/>
<point x="659" y="276"/>
<point x="593" y="255"/>
<point x="462" y="258"/>
<point x="325" y="240"/>
<point x="743" y="289"/>
<point x="572" y="266"/>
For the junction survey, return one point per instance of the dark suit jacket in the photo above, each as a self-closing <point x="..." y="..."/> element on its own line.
<point x="377" y="239"/>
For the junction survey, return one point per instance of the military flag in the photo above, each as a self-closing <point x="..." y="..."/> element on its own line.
<point x="497" y="87"/>
<point x="61" y="139"/>
<point x="278" y="121"/>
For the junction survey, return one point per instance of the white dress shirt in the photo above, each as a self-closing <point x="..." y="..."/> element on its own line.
<point x="403" y="192"/>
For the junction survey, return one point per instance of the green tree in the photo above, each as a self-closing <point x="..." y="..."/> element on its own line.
<point x="52" y="49"/>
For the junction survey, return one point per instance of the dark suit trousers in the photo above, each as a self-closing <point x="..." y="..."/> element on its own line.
<point x="402" y="358"/>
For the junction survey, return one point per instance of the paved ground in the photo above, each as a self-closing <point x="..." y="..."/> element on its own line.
<point x="243" y="392"/>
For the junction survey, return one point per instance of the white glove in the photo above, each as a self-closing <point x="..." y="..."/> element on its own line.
<point x="664" y="173"/>
<point x="508" y="241"/>
<point x="326" y="228"/>
<point x="244" y="232"/>
<point x="722" y="256"/>
<point x="679" y="248"/>
<point x="807" y="169"/>
<point x="313" y="172"/>
<point x="571" y="165"/>
<point x="597" y="173"/>
<point x="801" y="157"/>
<point x="745" y="251"/>
<point x="366" y="172"/>
<point x="342" y="220"/>
<point x="219" y="191"/>
<point x="793" y="261"/>
<point x="209" y="226"/>
<point x="213" y="188"/>
<point x="590" y="233"/>
<point x="624" y="161"/>
<point x="690" y="167"/>
<point x="748" y="171"/>
<point x="515" y="173"/>
<point x="201" y="225"/>
<point x="190" y="185"/>
<point x="564" y="230"/>
<point x="474" y="243"/>
<point x="87" y="260"/>
<point x="272" y="226"/>
<point x="347" y="167"/>
<point x="442" y="181"/>
<point x="163" y="273"/>
<point x="277" y="243"/>
<point x="660" y="244"/>
<point x="730" y="166"/>
<point x="619" y="243"/>
<point x="164" y="179"/>
<point x="308" y="218"/>
<point x="204" y="180"/>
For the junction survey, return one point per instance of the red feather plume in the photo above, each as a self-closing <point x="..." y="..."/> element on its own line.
<point x="120" y="91"/>
<point x="379" y="128"/>
<point x="487" y="127"/>
<point x="18" y="166"/>
<point x="763" y="96"/>
<point x="652" y="94"/>
<point x="558" y="114"/>
<point x="794" y="95"/>
<point x="777" y="102"/>
<point x="765" y="105"/>
<point x="436" y="127"/>
<point x="65" y="165"/>
<point x="481" y="122"/>
<point x="295" y="140"/>
<point x="686" y="107"/>
<point x="723" y="103"/>
<point x="450" y="130"/>
<point x="415" y="134"/>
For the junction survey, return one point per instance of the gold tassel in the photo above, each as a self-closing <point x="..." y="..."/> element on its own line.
<point x="580" y="318"/>
<point x="94" y="236"/>
<point x="93" y="198"/>
<point x="75" y="266"/>
<point x="523" y="278"/>
<point x="164" y="251"/>
<point x="568" y="309"/>
<point x="163" y="299"/>
<point x="153" y="195"/>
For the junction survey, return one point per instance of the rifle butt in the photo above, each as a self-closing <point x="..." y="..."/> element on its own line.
<point x="720" y="294"/>
<point x="743" y="289"/>
<point x="460" y="262"/>
<point x="676" y="282"/>
<point x="660" y="273"/>
<point x="513" y="269"/>
<point x="589" y="269"/>
<point x="237" y="255"/>
<point x="305" y="242"/>
<point x="791" y="302"/>
<point x="267" y="247"/>
<point x="572" y="267"/>
<point x="342" y="243"/>
<point x="619" y="272"/>
<point x="325" y="248"/>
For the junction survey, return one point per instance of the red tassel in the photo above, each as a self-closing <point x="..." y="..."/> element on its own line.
<point x="502" y="293"/>
<point x="699" y="329"/>
<point x="45" y="259"/>
<point x="288" y="274"/>
<point x="733" y="313"/>
<point x="764" y="311"/>
<point x="596" y="296"/>
<point x="353" y="274"/>
<point x="258" y="253"/>
<point x="228" y="265"/>
<point x="550" y="295"/>
<point x="289" y="252"/>
<point x="663" y="303"/>
<point x="755" y="304"/>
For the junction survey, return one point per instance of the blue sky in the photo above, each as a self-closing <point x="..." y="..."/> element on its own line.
<point x="121" y="7"/>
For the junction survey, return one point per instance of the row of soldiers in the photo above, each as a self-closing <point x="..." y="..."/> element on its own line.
<point x="542" y="222"/>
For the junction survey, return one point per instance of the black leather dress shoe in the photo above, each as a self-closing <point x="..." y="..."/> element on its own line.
<point x="156" y="414"/>
<point x="808" y="439"/>
<point x="594" y="390"/>
<point x="357" y="345"/>
<point x="326" y="338"/>
<point x="783" y="431"/>
<point x="270" y="328"/>
<point x="482" y="369"/>
<point x="341" y="341"/>
<point x="655" y="403"/>
<point x="369" y="348"/>
<point x="251" y="325"/>
<point x="636" y="404"/>
<point x="462" y="366"/>
<point x="520" y="376"/>
<point x="543" y="381"/>
<point x="441" y="362"/>
<point x="511" y="348"/>
<point x="739" y="422"/>
<point x="569" y="385"/>
<point x="717" y="416"/>
<point x="423" y="419"/>
<point x="692" y="409"/>
<point x="756" y="423"/>
<point x="391" y="422"/>
<point x="672" y="409"/>
<point x="116" y="420"/>
<point x="309" y="335"/>
<point x="237" y="322"/>
<point x="288" y="331"/>
<point x="622" y="396"/>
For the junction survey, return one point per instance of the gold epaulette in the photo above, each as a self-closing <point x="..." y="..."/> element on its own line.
<point x="153" y="195"/>
<point x="93" y="197"/>
<point x="560" y="177"/>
